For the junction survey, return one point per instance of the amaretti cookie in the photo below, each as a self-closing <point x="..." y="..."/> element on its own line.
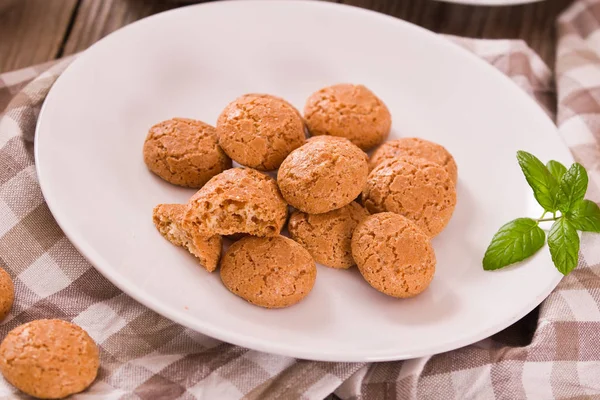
<point x="7" y="293"/>
<point x="281" y="99"/>
<point x="393" y="255"/>
<point x="272" y="272"/>
<point x="415" y="147"/>
<point x="323" y="175"/>
<point x="328" y="236"/>
<point x="207" y="248"/>
<point x="259" y="131"/>
<point x="239" y="200"/>
<point x="184" y="152"/>
<point x="350" y="111"/>
<point x="419" y="189"/>
<point x="49" y="358"/>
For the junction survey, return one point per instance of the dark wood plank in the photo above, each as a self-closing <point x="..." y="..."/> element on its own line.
<point x="32" y="31"/>
<point x="533" y="22"/>
<point x="35" y="29"/>
<point x="97" y="18"/>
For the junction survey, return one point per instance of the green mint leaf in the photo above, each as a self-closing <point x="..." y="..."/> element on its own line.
<point x="556" y="169"/>
<point x="573" y="186"/>
<point x="544" y="184"/>
<point x="514" y="242"/>
<point x="563" y="242"/>
<point x="585" y="216"/>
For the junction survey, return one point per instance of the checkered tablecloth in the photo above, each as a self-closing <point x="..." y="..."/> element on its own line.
<point x="552" y="353"/>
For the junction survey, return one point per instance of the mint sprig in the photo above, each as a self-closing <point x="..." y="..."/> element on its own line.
<point x="514" y="242"/>
<point x="556" y="169"/>
<point x="560" y="191"/>
<point x="563" y="242"/>
<point x="586" y="217"/>
<point x="545" y="186"/>
<point x="573" y="186"/>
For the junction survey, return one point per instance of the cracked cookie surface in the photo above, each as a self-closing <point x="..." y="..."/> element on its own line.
<point x="168" y="220"/>
<point x="272" y="272"/>
<point x="350" y="111"/>
<point x="7" y="293"/>
<point x="328" y="236"/>
<point x="415" y="147"/>
<point x="259" y="130"/>
<point x="323" y="175"/>
<point x="239" y="200"/>
<point x="49" y="358"/>
<point x="393" y="255"/>
<point x="414" y="187"/>
<point x="184" y="152"/>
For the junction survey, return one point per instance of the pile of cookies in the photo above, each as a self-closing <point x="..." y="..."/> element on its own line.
<point x="347" y="208"/>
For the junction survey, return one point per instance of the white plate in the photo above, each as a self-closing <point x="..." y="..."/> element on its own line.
<point x="191" y="62"/>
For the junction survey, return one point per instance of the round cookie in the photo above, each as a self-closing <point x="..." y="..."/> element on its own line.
<point x="272" y="272"/>
<point x="7" y="293"/>
<point x="419" y="189"/>
<point x="271" y="96"/>
<point x="393" y="255"/>
<point x="350" y="111"/>
<point x="49" y="358"/>
<point x="259" y="131"/>
<point x="327" y="236"/>
<point x="239" y="200"/>
<point x="415" y="147"/>
<point x="323" y="175"/>
<point x="184" y="152"/>
<point x="327" y="138"/>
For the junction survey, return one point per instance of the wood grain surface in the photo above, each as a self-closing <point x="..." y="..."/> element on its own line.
<point x="34" y="31"/>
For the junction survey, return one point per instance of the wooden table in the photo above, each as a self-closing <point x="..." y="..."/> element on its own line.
<point x="35" y="31"/>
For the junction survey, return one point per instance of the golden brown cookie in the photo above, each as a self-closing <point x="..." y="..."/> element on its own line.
<point x="393" y="255"/>
<point x="184" y="152"/>
<point x="259" y="131"/>
<point x="272" y="272"/>
<point x="234" y="237"/>
<point x="350" y="111"/>
<point x="49" y="358"/>
<point x="327" y="138"/>
<point x="167" y="219"/>
<point x="323" y="175"/>
<point x="7" y="293"/>
<point x="415" y="147"/>
<point x="270" y="96"/>
<point x="419" y="189"/>
<point x="327" y="236"/>
<point x="240" y="200"/>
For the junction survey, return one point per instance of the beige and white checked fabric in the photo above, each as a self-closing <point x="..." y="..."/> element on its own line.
<point x="553" y="353"/>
